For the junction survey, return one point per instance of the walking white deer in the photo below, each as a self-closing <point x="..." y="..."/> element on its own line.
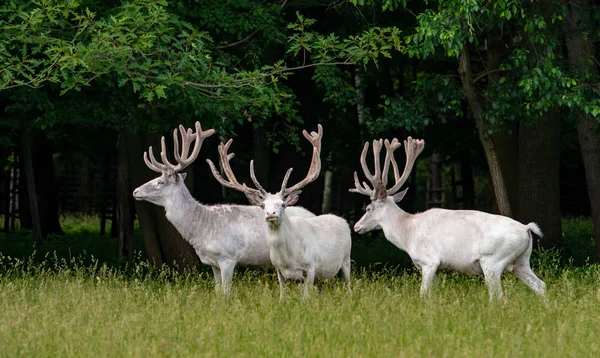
<point x="300" y="247"/>
<point x="466" y="241"/>
<point x="223" y="236"/>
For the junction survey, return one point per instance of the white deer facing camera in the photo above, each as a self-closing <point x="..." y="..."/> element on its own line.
<point x="466" y="241"/>
<point x="305" y="248"/>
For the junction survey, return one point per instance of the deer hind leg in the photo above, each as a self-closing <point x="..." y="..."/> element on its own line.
<point x="523" y="271"/>
<point x="345" y="273"/>
<point x="492" y="272"/>
<point x="217" y="274"/>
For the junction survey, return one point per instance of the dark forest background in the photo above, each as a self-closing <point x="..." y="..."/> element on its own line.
<point x="505" y="94"/>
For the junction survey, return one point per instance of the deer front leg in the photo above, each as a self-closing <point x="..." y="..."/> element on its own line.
<point x="227" y="268"/>
<point x="427" y="277"/>
<point x="217" y="274"/>
<point x="281" y="280"/>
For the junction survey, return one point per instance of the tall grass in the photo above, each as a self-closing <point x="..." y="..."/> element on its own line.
<point x="52" y="304"/>
<point x="67" y="308"/>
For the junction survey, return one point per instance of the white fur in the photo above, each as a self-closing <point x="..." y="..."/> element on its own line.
<point x="466" y="241"/>
<point x="306" y="247"/>
<point x="223" y="236"/>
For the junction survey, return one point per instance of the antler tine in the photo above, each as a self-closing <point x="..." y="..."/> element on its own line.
<point x="363" y="164"/>
<point x="254" y="180"/>
<point x="377" y="145"/>
<point x="285" y="179"/>
<point x="154" y="165"/>
<point x="361" y="189"/>
<point x="314" y="137"/>
<point x="187" y="138"/>
<point x="313" y="173"/>
<point x="224" y="159"/>
<point x="389" y="157"/>
<point x="315" y="163"/>
<point x="412" y="147"/>
<point x="163" y="155"/>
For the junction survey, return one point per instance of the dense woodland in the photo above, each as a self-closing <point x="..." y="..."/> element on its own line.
<point x="505" y="94"/>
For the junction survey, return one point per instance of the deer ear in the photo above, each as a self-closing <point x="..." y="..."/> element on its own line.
<point x="254" y="198"/>
<point x="292" y="198"/>
<point x="399" y="196"/>
<point x="183" y="175"/>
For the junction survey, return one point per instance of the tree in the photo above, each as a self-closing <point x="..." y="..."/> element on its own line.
<point x="581" y="60"/>
<point x="522" y="80"/>
<point x="148" y="60"/>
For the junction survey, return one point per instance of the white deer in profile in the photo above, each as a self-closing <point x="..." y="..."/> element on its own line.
<point x="223" y="236"/>
<point x="301" y="248"/>
<point x="466" y="241"/>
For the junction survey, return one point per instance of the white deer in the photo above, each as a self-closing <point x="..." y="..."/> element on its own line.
<point x="300" y="248"/>
<point x="223" y="236"/>
<point x="466" y="241"/>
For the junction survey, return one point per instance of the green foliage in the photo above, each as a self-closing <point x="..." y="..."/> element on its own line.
<point x="532" y="76"/>
<point x="431" y="96"/>
<point x="142" y="43"/>
<point x="578" y="241"/>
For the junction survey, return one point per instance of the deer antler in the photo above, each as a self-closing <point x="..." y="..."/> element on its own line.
<point x="183" y="159"/>
<point x="413" y="147"/>
<point x="232" y="181"/>
<point x="315" y="165"/>
<point x="313" y="173"/>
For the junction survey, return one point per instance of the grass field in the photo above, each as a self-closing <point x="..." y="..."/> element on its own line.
<point x="69" y="310"/>
<point x="55" y="306"/>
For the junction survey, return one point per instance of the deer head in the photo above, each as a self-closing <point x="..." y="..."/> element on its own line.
<point x="159" y="191"/>
<point x="272" y="204"/>
<point x="382" y="198"/>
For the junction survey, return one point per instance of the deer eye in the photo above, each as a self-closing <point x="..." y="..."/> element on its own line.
<point x="159" y="183"/>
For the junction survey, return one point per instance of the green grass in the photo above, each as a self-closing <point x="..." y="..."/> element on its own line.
<point x="60" y="301"/>
<point x="63" y="308"/>
<point x="81" y="238"/>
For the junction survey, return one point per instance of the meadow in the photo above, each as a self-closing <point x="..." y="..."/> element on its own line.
<point x="53" y="304"/>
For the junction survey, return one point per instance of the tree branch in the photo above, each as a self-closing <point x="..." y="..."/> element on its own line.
<point x="481" y="75"/>
<point x="237" y="42"/>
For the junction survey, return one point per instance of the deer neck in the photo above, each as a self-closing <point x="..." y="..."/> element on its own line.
<point x="185" y="213"/>
<point x="397" y="227"/>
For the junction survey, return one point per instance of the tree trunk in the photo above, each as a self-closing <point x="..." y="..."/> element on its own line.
<point x="163" y="243"/>
<point x="466" y="177"/>
<point x="360" y="101"/>
<point x="106" y="195"/>
<point x="589" y="141"/>
<point x="580" y="52"/>
<point x="45" y="184"/>
<point x="500" y="189"/>
<point x="84" y="186"/>
<point x="539" y="176"/>
<point x="124" y="215"/>
<point x="327" y="188"/>
<point x="26" y="142"/>
<point x="435" y="181"/>
<point x="505" y="139"/>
